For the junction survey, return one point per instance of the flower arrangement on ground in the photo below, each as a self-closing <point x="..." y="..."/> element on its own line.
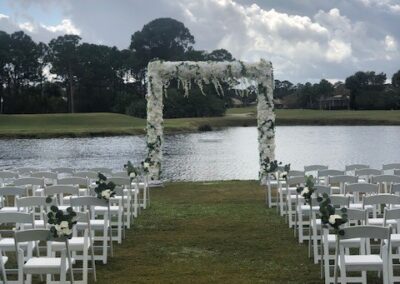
<point x="104" y="190"/>
<point x="61" y="222"/>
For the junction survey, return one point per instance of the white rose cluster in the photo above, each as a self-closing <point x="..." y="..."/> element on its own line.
<point x="63" y="229"/>
<point x="132" y="175"/>
<point x="106" y="194"/>
<point x="305" y="191"/>
<point x="332" y="218"/>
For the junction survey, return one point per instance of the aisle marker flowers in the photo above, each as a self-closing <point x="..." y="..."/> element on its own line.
<point x="104" y="190"/>
<point x="330" y="216"/>
<point x="61" y="222"/>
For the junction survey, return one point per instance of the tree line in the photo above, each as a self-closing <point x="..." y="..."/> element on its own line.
<point x="68" y="75"/>
<point x="361" y="91"/>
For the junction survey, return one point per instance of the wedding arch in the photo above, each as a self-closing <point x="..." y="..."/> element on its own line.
<point x="159" y="74"/>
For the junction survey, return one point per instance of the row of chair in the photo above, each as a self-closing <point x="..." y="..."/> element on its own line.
<point x="26" y="195"/>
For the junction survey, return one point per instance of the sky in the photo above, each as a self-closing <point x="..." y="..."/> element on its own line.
<point x="306" y="40"/>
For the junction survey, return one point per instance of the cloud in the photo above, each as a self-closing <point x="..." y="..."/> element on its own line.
<point x="65" y="27"/>
<point x="305" y="40"/>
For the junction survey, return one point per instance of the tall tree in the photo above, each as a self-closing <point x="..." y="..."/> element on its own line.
<point x="396" y="79"/>
<point x="364" y="81"/>
<point x="162" y="38"/>
<point x="63" y="57"/>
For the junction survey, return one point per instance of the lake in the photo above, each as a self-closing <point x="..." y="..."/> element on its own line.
<point x="231" y="153"/>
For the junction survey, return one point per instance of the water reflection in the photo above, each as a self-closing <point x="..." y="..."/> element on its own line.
<point x="227" y="154"/>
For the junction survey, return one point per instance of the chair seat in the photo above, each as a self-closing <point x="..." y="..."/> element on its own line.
<point x="102" y="209"/>
<point x="379" y="221"/>
<point x="9" y="209"/>
<point x="43" y="265"/>
<point x="75" y="244"/>
<point x="307" y="208"/>
<point x="362" y="262"/>
<point x="95" y="224"/>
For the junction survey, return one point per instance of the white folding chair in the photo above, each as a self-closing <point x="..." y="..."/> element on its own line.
<point x="354" y="217"/>
<point x="389" y="168"/>
<point x="88" y="203"/>
<point x="62" y="193"/>
<point x="50" y="178"/>
<point x="33" y="185"/>
<point x="36" y="205"/>
<point x="377" y="201"/>
<point x="3" y="261"/>
<point x="7" y="177"/>
<point x="357" y="190"/>
<point x="12" y="192"/>
<point x="350" y="169"/>
<point x="42" y="265"/>
<point x="292" y="197"/>
<point x="364" y="175"/>
<point x="338" y="182"/>
<point x="385" y="181"/>
<point x="393" y="214"/>
<point x="82" y="183"/>
<point x="104" y="171"/>
<point x="322" y="175"/>
<point x="363" y="261"/>
<point x="81" y="243"/>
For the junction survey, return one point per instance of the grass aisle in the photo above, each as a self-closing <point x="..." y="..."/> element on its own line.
<point x="207" y="233"/>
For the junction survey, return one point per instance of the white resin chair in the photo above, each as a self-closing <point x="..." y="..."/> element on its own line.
<point x="10" y="192"/>
<point x="3" y="261"/>
<point x="104" y="171"/>
<point x="322" y="175"/>
<point x="385" y="181"/>
<point x="103" y="225"/>
<point x="292" y="183"/>
<point x="50" y="178"/>
<point x="393" y="214"/>
<point x="377" y="201"/>
<point x="7" y="177"/>
<point x="350" y="169"/>
<point x="32" y="184"/>
<point x="42" y="265"/>
<point x="36" y="205"/>
<point x="62" y="193"/>
<point x="79" y="243"/>
<point x="364" y="261"/>
<point x="364" y="175"/>
<point x="355" y="217"/>
<point x="82" y="183"/>
<point x="357" y="191"/>
<point x="389" y="168"/>
<point x="338" y="182"/>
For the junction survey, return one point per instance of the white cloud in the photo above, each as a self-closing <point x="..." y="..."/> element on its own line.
<point x="2" y="16"/>
<point x="66" y="27"/>
<point x="27" y="26"/>
<point x="390" y="43"/>
<point x="338" y="51"/>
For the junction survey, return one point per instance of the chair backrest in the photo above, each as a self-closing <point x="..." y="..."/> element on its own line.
<point x="395" y="188"/>
<point x="8" y="174"/>
<point x="386" y="179"/>
<point x="370" y="232"/>
<point x="29" y="181"/>
<point x="104" y="171"/>
<point x="354" y="167"/>
<point x="26" y="170"/>
<point x="342" y="179"/>
<point x="295" y="173"/>
<point x="368" y="172"/>
<point x="88" y="201"/>
<point x="397" y="172"/>
<point x="63" y="170"/>
<point x="31" y="235"/>
<point x="34" y="201"/>
<point x="391" y="214"/>
<point x="87" y="174"/>
<point x="61" y="189"/>
<point x="361" y="187"/>
<point x="314" y="168"/>
<point x="73" y="181"/>
<point x="12" y="191"/>
<point x="330" y="172"/>
<point x="295" y="180"/>
<point x="340" y="200"/>
<point x="321" y="189"/>
<point x="48" y="175"/>
<point x="120" y="174"/>
<point x="16" y="218"/>
<point x="392" y="166"/>
<point x="381" y="199"/>
<point x="357" y="215"/>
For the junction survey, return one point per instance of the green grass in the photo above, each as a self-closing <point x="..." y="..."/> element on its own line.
<point x="107" y="124"/>
<point x="209" y="233"/>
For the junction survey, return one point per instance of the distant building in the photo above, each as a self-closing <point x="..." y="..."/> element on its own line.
<point x="278" y="103"/>
<point x="335" y="102"/>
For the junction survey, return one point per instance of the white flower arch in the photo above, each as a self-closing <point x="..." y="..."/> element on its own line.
<point x="159" y="74"/>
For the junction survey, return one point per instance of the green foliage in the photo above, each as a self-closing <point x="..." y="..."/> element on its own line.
<point x="307" y="190"/>
<point x="132" y="171"/>
<point x="104" y="189"/>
